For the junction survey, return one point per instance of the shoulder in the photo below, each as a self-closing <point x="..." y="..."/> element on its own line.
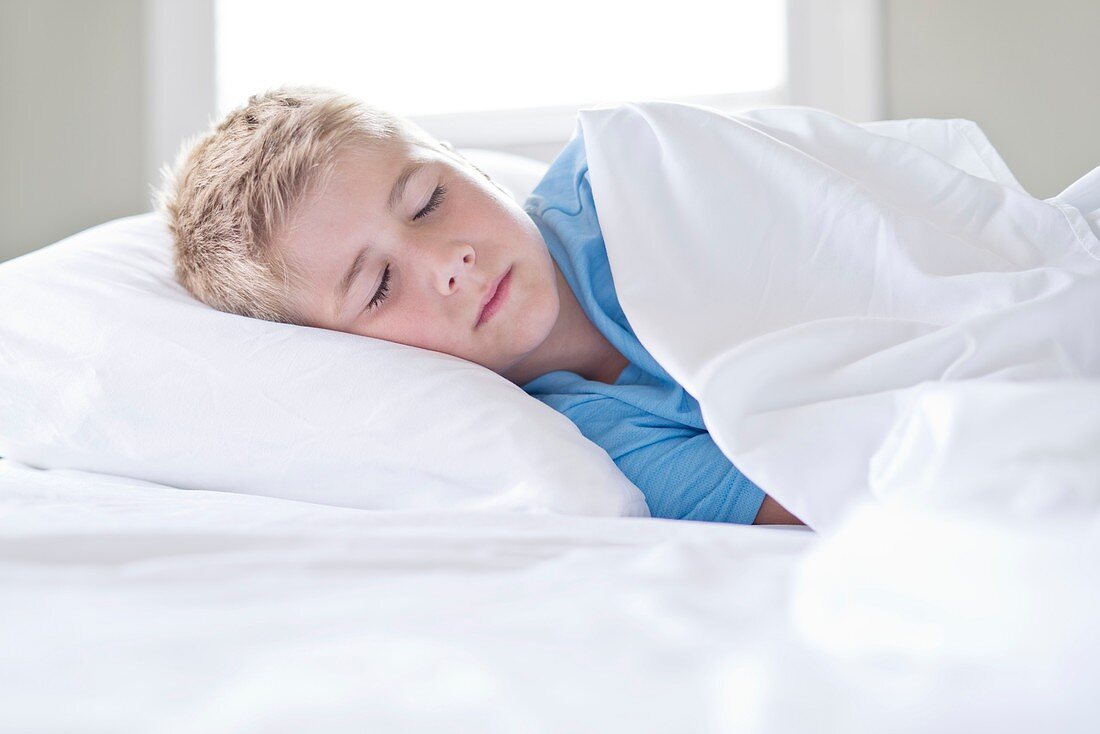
<point x="564" y="187"/>
<point x="602" y="410"/>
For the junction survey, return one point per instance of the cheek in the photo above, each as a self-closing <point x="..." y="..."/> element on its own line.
<point x="417" y="328"/>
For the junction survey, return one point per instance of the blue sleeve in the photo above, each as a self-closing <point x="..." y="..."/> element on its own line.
<point x="679" y="469"/>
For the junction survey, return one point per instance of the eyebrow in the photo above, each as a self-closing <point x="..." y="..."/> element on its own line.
<point x="402" y="181"/>
<point x="396" y="193"/>
<point x="345" y="284"/>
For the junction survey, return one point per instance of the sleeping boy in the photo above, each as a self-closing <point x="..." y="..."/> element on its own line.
<point x="310" y="207"/>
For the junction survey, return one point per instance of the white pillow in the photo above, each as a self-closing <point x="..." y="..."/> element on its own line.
<point x="515" y="173"/>
<point x="108" y="365"/>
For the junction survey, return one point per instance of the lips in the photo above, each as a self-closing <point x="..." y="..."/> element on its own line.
<point x="495" y="298"/>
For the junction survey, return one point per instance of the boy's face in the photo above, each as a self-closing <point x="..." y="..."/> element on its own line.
<point x="447" y="241"/>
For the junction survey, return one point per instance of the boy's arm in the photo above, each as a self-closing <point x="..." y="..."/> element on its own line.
<point x="773" y="513"/>
<point x="679" y="469"/>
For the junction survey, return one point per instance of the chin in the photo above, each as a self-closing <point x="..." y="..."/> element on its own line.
<point x="529" y="334"/>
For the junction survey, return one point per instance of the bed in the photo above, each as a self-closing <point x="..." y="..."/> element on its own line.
<point x="175" y="559"/>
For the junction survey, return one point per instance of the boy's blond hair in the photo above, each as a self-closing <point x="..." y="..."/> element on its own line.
<point x="232" y="191"/>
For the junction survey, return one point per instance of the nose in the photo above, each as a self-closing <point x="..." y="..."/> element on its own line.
<point x="451" y="265"/>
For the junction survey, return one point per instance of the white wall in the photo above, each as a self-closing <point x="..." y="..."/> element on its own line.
<point x="95" y="96"/>
<point x="71" y="118"/>
<point x="1027" y="72"/>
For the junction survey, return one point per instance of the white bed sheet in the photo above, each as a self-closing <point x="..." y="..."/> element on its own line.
<point x="131" y="607"/>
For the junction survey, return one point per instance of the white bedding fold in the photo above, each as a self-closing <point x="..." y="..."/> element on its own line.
<point x="814" y="275"/>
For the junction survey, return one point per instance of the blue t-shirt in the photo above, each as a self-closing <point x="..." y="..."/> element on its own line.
<point x="649" y="425"/>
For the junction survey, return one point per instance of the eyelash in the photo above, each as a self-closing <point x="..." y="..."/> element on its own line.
<point x="434" y="202"/>
<point x="384" y="289"/>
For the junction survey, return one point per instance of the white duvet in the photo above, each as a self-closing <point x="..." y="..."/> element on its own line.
<point x="863" y="313"/>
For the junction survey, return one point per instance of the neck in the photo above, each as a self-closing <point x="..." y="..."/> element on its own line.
<point x="574" y="344"/>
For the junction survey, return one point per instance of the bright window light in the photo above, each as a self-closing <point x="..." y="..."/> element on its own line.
<point x="434" y="58"/>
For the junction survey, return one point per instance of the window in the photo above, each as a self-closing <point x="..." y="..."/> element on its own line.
<point x="497" y="71"/>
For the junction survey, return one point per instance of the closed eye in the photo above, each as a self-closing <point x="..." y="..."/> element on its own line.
<point x="434" y="202"/>
<point x="382" y="292"/>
